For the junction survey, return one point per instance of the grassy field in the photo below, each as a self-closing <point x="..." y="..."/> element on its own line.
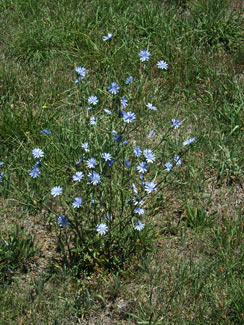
<point x="186" y="265"/>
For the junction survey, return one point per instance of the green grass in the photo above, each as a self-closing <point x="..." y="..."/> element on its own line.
<point x="194" y="273"/>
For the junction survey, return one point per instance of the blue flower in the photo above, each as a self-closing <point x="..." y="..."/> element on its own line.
<point x="177" y="160"/>
<point x="81" y="71"/>
<point x="79" y="79"/>
<point x="110" y="162"/>
<point x="149" y="155"/>
<point x="45" y="131"/>
<point x="144" y="55"/>
<point x="123" y="142"/>
<point x="189" y="141"/>
<point x="85" y="146"/>
<point x="129" y="117"/>
<point x="114" y="89"/>
<point x="37" y="163"/>
<point x="62" y="221"/>
<point x="117" y="136"/>
<point x="102" y="228"/>
<point x="94" y="177"/>
<point x="106" y="156"/>
<point x="92" y="100"/>
<point x="1" y="176"/>
<point x="137" y="151"/>
<point x="56" y="190"/>
<point x="162" y="65"/>
<point x="134" y="188"/>
<point x="124" y="102"/>
<point x="128" y="202"/>
<point x="150" y="187"/>
<point x="78" y="176"/>
<point x="151" y="107"/>
<point x="34" y="172"/>
<point x="127" y="163"/>
<point x="91" y="163"/>
<point x="175" y="123"/>
<point x="137" y="202"/>
<point x="168" y="166"/>
<point x="129" y="80"/>
<point x="105" y="38"/>
<point x="142" y="167"/>
<point x="139" y="210"/>
<point x="151" y="134"/>
<point x="77" y="202"/>
<point x="109" y="218"/>
<point x="37" y="153"/>
<point x="79" y="161"/>
<point x="1" y="163"/>
<point x="138" y="225"/>
<point x="107" y="111"/>
<point x="93" y="120"/>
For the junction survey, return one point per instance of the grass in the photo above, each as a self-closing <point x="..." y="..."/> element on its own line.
<point x="194" y="273"/>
